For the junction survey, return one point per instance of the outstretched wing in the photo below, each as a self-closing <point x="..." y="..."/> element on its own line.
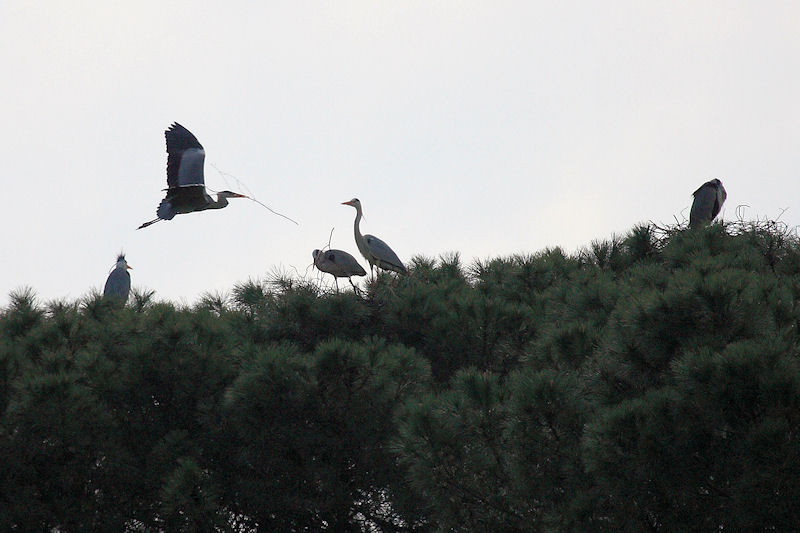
<point x="385" y="257"/>
<point x="185" y="157"/>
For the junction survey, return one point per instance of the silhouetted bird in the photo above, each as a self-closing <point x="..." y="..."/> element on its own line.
<point x="375" y="251"/>
<point x="708" y="200"/>
<point x="339" y="264"/>
<point x="186" y="189"/>
<point x="118" y="284"/>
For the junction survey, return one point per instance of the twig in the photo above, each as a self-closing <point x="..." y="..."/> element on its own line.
<point x="249" y="195"/>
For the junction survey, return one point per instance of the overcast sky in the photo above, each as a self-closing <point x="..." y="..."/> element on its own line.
<point x="488" y="128"/>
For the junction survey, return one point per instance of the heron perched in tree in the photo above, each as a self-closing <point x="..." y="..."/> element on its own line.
<point x="118" y="284"/>
<point x="339" y="264"/>
<point x="708" y="200"/>
<point x="375" y="251"/>
<point x="186" y="190"/>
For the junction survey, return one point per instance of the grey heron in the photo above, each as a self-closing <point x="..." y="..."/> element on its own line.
<point x="375" y="251"/>
<point x="186" y="190"/>
<point x="118" y="284"/>
<point x="708" y="200"/>
<point x="339" y="264"/>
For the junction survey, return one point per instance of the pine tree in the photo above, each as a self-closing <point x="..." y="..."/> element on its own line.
<point x="647" y="382"/>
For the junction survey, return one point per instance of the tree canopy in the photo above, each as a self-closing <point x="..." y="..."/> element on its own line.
<point x="645" y="383"/>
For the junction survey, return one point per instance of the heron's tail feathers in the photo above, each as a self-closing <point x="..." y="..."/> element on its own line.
<point x="399" y="268"/>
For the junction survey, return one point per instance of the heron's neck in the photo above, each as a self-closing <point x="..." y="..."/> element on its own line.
<point x="356" y="224"/>
<point x="361" y="242"/>
<point x="219" y="203"/>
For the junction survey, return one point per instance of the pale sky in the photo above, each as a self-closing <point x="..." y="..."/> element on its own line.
<point x="487" y="128"/>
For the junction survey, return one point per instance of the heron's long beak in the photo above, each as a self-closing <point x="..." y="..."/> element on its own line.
<point x="237" y="195"/>
<point x="348" y="203"/>
<point x="129" y="267"/>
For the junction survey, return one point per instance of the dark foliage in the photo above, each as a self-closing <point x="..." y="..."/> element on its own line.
<point x="650" y="382"/>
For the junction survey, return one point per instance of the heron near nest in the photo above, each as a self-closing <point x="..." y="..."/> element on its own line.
<point x="375" y="251"/>
<point x="708" y="200"/>
<point x="118" y="284"/>
<point x="339" y="264"/>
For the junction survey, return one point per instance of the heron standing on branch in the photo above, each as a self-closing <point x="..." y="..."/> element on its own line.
<point x="186" y="190"/>
<point x="339" y="264"/>
<point x="375" y="251"/>
<point x="118" y="284"/>
<point x="708" y="200"/>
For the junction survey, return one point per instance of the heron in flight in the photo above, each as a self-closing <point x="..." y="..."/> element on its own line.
<point x="118" y="284"/>
<point x="339" y="264"/>
<point x="708" y="200"/>
<point x="375" y="251"/>
<point x="186" y="190"/>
